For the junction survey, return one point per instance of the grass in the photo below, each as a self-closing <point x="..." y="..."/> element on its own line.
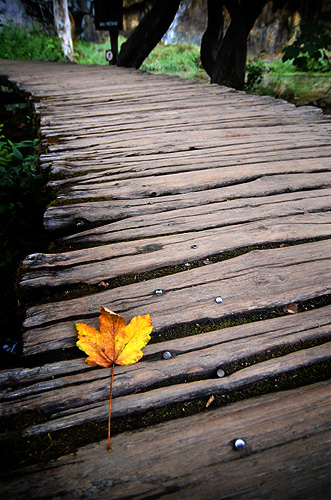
<point x="283" y="80"/>
<point x="19" y="43"/>
<point x="182" y="60"/>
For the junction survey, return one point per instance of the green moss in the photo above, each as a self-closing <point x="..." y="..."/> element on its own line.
<point x="60" y="202"/>
<point x="22" y="451"/>
<point x="188" y="329"/>
<point x="43" y="295"/>
<point x="74" y="175"/>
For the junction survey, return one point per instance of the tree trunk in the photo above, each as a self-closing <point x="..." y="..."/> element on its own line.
<point x="213" y="36"/>
<point x="224" y="56"/>
<point x="63" y="27"/>
<point x="230" y="65"/>
<point x="148" y="33"/>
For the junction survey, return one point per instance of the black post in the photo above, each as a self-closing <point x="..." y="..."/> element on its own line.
<point x="114" y="45"/>
<point x="109" y="17"/>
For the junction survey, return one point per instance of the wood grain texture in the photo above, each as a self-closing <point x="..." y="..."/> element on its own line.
<point x="66" y="409"/>
<point x="258" y="280"/>
<point x="111" y="261"/>
<point x="305" y="326"/>
<point x="195" y="456"/>
<point x="73" y="217"/>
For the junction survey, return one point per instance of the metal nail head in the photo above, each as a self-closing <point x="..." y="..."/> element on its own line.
<point x="239" y="444"/>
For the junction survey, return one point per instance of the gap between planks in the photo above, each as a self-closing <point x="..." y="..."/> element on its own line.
<point x="194" y="457"/>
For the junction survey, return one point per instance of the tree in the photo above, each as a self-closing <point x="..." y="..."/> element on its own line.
<point x="223" y="51"/>
<point x="63" y="27"/>
<point x="224" y="54"/>
<point x="148" y="33"/>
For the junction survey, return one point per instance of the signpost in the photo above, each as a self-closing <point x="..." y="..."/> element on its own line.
<point x="109" y="17"/>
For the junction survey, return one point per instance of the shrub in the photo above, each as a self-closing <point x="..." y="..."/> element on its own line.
<point x="310" y="51"/>
<point x="254" y="74"/>
<point x="20" y="43"/>
<point x="19" y="188"/>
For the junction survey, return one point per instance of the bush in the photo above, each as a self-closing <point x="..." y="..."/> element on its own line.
<point x="19" y="188"/>
<point x="310" y="51"/>
<point x="19" y="43"/>
<point x="254" y="74"/>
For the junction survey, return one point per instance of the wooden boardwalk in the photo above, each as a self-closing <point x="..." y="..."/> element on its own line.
<point x="208" y="209"/>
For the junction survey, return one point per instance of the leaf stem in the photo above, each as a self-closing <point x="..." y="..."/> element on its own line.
<point x="111" y="390"/>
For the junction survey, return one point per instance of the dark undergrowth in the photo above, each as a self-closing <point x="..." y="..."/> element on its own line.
<point x="23" y="199"/>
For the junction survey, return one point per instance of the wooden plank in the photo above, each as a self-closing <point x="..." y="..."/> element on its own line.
<point x="91" y="266"/>
<point x="125" y="114"/>
<point x="155" y="166"/>
<point x="194" y="457"/>
<point x="135" y="404"/>
<point x="185" y="182"/>
<point x="136" y="144"/>
<point x="199" y="356"/>
<point x="292" y="208"/>
<point x="300" y="326"/>
<point x="171" y="126"/>
<point x="66" y="217"/>
<point x="258" y="280"/>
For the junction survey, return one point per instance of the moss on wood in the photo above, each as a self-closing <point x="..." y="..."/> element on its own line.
<point x="21" y="450"/>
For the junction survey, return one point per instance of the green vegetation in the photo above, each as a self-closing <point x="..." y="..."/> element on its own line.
<point x="19" y="187"/>
<point x="22" y="202"/>
<point x="93" y="53"/>
<point x="283" y="80"/>
<point x="19" y="43"/>
<point x="302" y="76"/>
<point x="182" y="60"/>
<point x="310" y="52"/>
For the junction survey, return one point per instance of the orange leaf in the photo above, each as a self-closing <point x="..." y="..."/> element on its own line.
<point x="116" y="342"/>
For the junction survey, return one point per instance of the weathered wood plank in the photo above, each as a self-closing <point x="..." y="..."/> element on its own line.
<point x="171" y="142"/>
<point x="171" y="126"/>
<point x="299" y="326"/>
<point x="274" y="427"/>
<point x="91" y="266"/>
<point x="119" y="120"/>
<point x="154" y="166"/>
<point x="134" y="404"/>
<point x="214" y="215"/>
<point x="258" y="280"/>
<point x="199" y="356"/>
<point x="185" y="182"/>
<point x="67" y="217"/>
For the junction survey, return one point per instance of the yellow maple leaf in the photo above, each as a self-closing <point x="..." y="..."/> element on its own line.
<point x="116" y="342"/>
